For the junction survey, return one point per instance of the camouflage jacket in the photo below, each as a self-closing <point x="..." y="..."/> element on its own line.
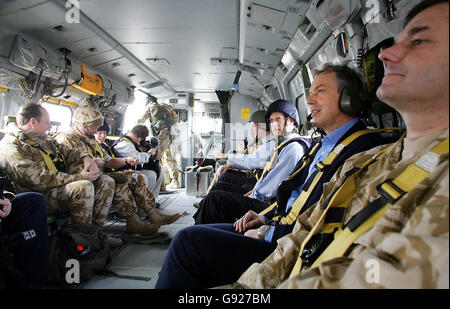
<point x="407" y="248"/>
<point x="161" y="117"/>
<point x="25" y="164"/>
<point x="82" y="143"/>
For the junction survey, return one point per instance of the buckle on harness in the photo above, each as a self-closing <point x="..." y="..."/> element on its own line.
<point x="320" y="166"/>
<point x="390" y="191"/>
<point x="315" y="246"/>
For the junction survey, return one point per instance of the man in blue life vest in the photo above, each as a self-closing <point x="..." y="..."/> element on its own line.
<point x="223" y="206"/>
<point x="241" y="171"/>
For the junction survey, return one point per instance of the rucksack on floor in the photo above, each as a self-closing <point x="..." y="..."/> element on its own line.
<point x="78" y="253"/>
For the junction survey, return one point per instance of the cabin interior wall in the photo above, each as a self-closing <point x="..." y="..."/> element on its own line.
<point x="241" y="107"/>
<point x="10" y="103"/>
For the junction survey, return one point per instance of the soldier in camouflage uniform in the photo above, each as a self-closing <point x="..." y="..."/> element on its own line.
<point x="24" y="150"/>
<point x="408" y="247"/>
<point x="131" y="189"/>
<point x="162" y="119"/>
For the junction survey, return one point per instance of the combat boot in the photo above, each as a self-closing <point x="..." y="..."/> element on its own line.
<point x="161" y="219"/>
<point x="136" y="226"/>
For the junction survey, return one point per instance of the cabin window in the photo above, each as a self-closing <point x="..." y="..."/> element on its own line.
<point x="205" y="124"/>
<point x="134" y="111"/>
<point x="60" y="117"/>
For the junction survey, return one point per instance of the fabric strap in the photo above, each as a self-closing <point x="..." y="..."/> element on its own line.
<point x="390" y="191"/>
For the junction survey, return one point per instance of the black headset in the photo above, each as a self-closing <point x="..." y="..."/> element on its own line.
<point x="353" y="102"/>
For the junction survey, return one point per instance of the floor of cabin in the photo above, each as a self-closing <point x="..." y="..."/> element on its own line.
<point x="137" y="262"/>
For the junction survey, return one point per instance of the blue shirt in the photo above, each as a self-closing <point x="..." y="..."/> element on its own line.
<point x="266" y="188"/>
<point x="328" y="143"/>
<point x="256" y="159"/>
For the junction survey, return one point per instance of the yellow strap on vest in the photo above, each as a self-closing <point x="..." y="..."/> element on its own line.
<point x="110" y="152"/>
<point x="126" y="140"/>
<point x="267" y="168"/>
<point x="406" y="181"/>
<point x="262" y="213"/>
<point x="414" y="174"/>
<point x="252" y="148"/>
<point x="337" y="199"/>
<point x="305" y="163"/>
<point x="97" y="150"/>
<point x="47" y="159"/>
<point x="304" y="195"/>
<point x="268" y="165"/>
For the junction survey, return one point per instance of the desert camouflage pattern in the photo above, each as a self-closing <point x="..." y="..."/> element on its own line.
<point x="165" y="153"/>
<point x="77" y="140"/>
<point x="63" y="191"/>
<point x="87" y="116"/>
<point x="89" y="202"/>
<point x="407" y="248"/>
<point x="171" y="111"/>
<point x="167" y="141"/>
<point x="127" y="197"/>
<point x="154" y="113"/>
<point x="135" y="193"/>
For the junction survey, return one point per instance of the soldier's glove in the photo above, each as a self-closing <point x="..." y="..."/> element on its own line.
<point x="119" y="178"/>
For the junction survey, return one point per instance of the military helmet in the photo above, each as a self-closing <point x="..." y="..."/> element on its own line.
<point x="87" y="116"/>
<point x="283" y="106"/>
<point x="258" y="116"/>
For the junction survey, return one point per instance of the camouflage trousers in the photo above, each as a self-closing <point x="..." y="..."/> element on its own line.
<point x="133" y="194"/>
<point x="88" y="202"/>
<point x="166" y="154"/>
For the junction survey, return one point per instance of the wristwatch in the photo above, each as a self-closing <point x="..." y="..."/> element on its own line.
<point x="262" y="231"/>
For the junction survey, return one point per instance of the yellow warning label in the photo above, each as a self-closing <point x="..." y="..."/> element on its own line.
<point x="245" y="113"/>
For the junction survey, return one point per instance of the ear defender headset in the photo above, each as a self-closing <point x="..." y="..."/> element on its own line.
<point x="352" y="102"/>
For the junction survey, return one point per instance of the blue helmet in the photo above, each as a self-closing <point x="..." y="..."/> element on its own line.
<point x="104" y="126"/>
<point x="283" y="106"/>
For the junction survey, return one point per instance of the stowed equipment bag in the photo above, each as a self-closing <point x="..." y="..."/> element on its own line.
<point x="84" y="243"/>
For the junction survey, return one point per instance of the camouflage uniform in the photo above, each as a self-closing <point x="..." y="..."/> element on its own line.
<point x="124" y="192"/>
<point x="409" y="245"/>
<point x="87" y="202"/>
<point x="162" y="118"/>
<point x="130" y="186"/>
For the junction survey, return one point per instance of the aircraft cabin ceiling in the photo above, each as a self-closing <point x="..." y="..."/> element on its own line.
<point x="166" y="46"/>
